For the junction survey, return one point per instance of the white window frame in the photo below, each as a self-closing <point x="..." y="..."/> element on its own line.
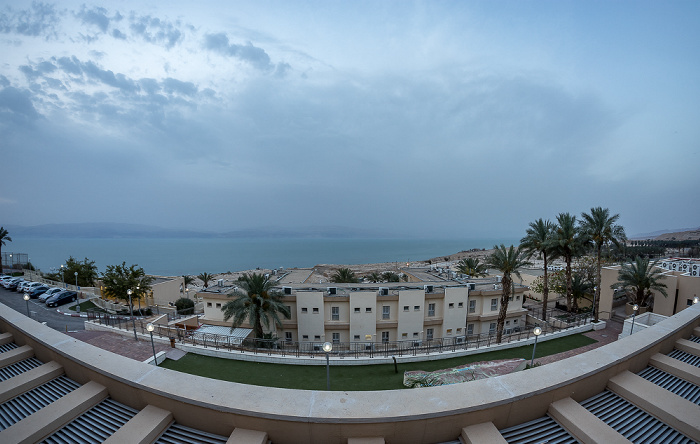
<point x="335" y="314"/>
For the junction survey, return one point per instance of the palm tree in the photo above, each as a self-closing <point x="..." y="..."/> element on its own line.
<point x="507" y="261"/>
<point x="3" y="237"/>
<point x="257" y="304"/>
<point x="205" y="277"/>
<point x="639" y="278"/>
<point x="187" y="279"/>
<point x="580" y="286"/>
<point x="390" y="276"/>
<point x="537" y="240"/>
<point x="472" y="267"/>
<point x="567" y="241"/>
<point x="600" y="227"/>
<point x="344" y="275"/>
<point x="374" y="277"/>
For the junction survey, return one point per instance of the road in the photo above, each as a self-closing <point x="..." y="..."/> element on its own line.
<point x="41" y="312"/>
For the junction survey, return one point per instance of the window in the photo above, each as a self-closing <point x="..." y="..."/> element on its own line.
<point x="368" y="310"/>
<point x="209" y="304"/>
<point x="386" y="310"/>
<point x="315" y="309"/>
<point x="304" y="310"/>
<point x="218" y="305"/>
<point x="494" y="304"/>
<point x="507" y="322"/>
<point x="492" y="328"/>
<point x="416" y="308"/>
<point x="460" y="305"/>
<point x="517" y="298"/>
<point x="357" y="309"/>
<point x="288" y="336"/>
<point x="356" y="337"/>
<point x="459" y="331"/>
<point x="451" y="305"/>
<point x="385" y="336"/>
<point x="405" y="308"/>
<point x="415" y="334"/>
<point x="429" y="334"/>
<point x="305" y="337"/>
<point x="510" y="298"/>
<point x="317" y="338"/>
<point x="449" y="331"/>
<point x="289" y="308"/>
<point x="336" y="338"/>
<point x="431" y="309"/>
<point x="404" y="335"/>
<point x="515" y="321"/>
<point x="335" y="314"/>
<point x="470" y="329"/>
<point x="472" y="306"/>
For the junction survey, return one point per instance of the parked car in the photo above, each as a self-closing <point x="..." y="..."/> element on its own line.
<point x="38" y="291"/>
<point x="22" y="287"/>
<point x="50" y="292"/>
<point x="6" y="282"/>
<point x="61" y="298"/>
<point x="14" y="283"/>
<point x="29" y="287"/>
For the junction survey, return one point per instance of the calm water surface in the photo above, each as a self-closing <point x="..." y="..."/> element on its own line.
<point x="172" y="257"/>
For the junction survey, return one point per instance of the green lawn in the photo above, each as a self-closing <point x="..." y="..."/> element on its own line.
<point x="84" y="306"/>
<point x="348" y="377"/>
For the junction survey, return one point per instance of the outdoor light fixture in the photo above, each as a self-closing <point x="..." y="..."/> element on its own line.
<point x="26" y="299"/>
<point x="635" y="307"/>
<point x="696" y="300"/>
<point x="131" y="307"/>
<point x="150" y="327"/>
<point x="327" y="347"/>
<point x="536" y="331"/>
<point x="76" y="280"/>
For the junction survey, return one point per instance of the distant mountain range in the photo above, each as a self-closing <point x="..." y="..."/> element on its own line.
<point x="120" y="230"/>
<point x="655" y="234"/>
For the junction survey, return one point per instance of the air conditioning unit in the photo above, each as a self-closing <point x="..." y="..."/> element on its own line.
<point x="332" y="290"/>
<point x="220" y="282"/>
<point x="695" y="272"/>
<point x="428" y="288"/>
<point x="383" y="291"/>
<point x="498" y="279"/>
<point x="472" y="286"/>
<point x="287" y="290"/>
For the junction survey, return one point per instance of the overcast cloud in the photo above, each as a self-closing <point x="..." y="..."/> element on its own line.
<point x="428" y="119"/>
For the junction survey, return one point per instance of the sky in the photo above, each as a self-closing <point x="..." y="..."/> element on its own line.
<point x="450" y="119"/>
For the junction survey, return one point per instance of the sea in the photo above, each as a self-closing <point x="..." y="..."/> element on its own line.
<point x="176" y="257"/>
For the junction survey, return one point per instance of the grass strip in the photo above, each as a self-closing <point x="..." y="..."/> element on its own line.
<point x="349" y="377"/>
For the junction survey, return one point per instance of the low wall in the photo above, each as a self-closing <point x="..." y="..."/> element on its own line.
<point x="430" y="414"/>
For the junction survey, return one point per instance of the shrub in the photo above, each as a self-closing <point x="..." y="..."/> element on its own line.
<point x="184" y="304"/>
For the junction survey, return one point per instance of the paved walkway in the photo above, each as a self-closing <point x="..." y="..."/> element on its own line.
<point x="140" y="350"/>
<point x="605" y="336"/>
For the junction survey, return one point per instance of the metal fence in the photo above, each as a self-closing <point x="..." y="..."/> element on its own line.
<point x="367" y="349"/>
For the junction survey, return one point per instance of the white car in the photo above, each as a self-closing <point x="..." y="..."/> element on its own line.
<point x="28" y="288"/>
<point x="50" y="292"/>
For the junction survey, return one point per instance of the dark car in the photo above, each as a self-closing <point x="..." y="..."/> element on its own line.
<point x="38" y="291"/>
<point x="61" y="298"/>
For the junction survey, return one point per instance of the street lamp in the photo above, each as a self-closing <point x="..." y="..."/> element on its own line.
<point x="635" y="307"/>
<point x="595" y="314"/>
<point x="76" y="280"/>
<point x="26" y="299"/>
<point x="327" y="347"/>
<point x="131" y="307"/>
<point x="63" y="276"/>
<point x="150" y="329"/>
<point x="537" y="331"/>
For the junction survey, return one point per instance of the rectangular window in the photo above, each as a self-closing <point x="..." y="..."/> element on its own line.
<point x="470" y="329"/>
<point x="416" y="308"/>
<point x="209" y="304"/>
<point x="451" y="305"/>
<point x="405" y="308"/>
<point x="336" y="338"/>
<point x="357" y="309"/>
<point x="460" y="305"/>
<point x="335" y="314"/>
<point x="304" y="310"/>
<point x="386" y="310"/>
<point x="289" y="308"/>
<point x="459" y="331"/>
<point x="515" y="321"/>
<point x="305" y="337"/>
<point x="368" y="310"/>
<point x="315" y="309"/>
<point x="317" y="338"/>
<point x="492" y="328"/>
<point x="449" y="331"/>
<point x="517" y="298"/>
<point x="429" y="334"/>
<point x="218" y="305"/>
<point x="415" y="334"/>
<point x="288" y="336"/>
<point x="494" y="304"/>
<point x="356" y="337"/>
<point x="385" y="336"/>
<point x="404" y="335"/>
<point x="507" y="322"/>
<point x="472" y="306"/>
<point x="431" y="309"/>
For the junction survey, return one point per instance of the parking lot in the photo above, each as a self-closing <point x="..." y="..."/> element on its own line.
<point x="40" y="312"/>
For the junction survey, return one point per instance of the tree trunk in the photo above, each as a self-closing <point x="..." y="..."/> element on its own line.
<point x="545" y="291"/>
<point x="596" y="295"/>
<point x="505" y="295"/>
<point x="569" y="287"/>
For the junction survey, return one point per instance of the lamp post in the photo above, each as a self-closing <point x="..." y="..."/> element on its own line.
<point x="150" y="329"/>
<point x="26" y="299"/>
<point x="76" y="280"/>
<point x="595" y="314"/>
<point x="131" y="307"/>
<point x="63" y="276"/>
<point x="327" y="347"/>
<point x="635" y="307"/>
<point x="537" y="331"/>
